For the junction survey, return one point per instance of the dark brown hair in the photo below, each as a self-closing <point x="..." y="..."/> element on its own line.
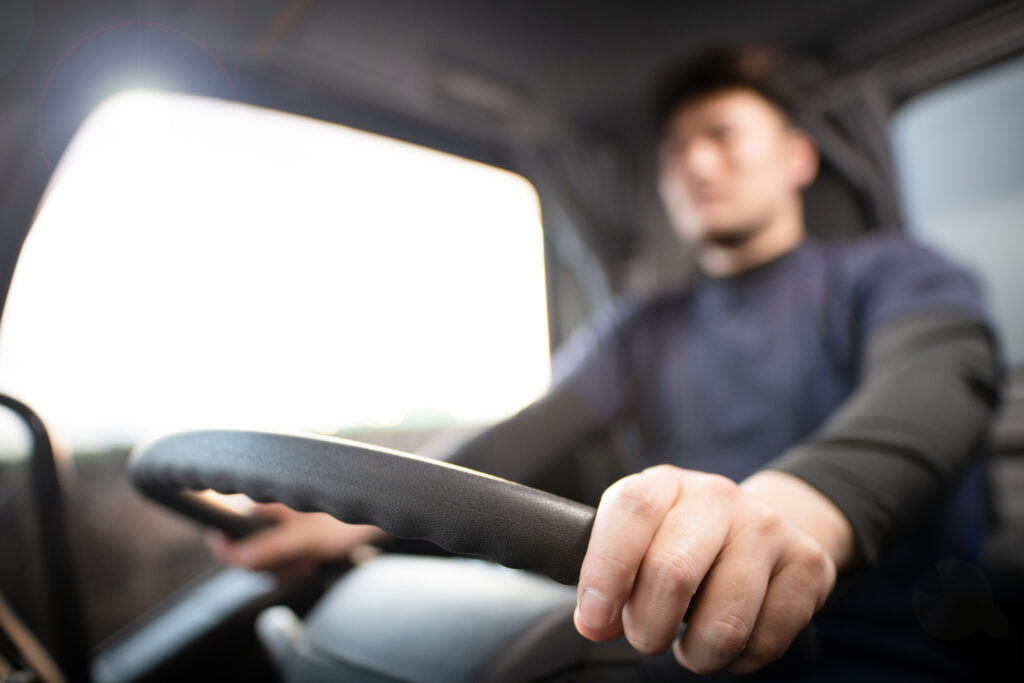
<point x="766" y="70"/>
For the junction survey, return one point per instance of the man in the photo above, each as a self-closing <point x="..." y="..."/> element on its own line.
<point x="806" y="410"/>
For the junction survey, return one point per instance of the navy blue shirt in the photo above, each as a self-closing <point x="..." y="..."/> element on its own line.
<point x="727" y="374"/>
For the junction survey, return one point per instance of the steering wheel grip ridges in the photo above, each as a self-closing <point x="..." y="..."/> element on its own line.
<point x="461" y="510"/>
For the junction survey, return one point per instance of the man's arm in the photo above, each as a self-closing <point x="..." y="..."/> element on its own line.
<point x="751" y="563"/>
<point x="898" y="444"/>
<point x="521" y="447"/>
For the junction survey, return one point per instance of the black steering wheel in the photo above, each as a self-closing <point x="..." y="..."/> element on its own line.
<point x="461" y="510"/>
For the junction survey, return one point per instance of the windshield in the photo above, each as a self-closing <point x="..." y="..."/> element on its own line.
<point x="204" y="263"/>
<point x="201" y="263"/>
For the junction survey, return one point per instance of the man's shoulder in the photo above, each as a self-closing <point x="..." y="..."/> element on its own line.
<point x="884" y="250"/>
<point x="883" y="257"/>
<point x="892" y="275"/>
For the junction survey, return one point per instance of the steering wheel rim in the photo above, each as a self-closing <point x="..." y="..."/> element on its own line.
<point x="409" y="496"/>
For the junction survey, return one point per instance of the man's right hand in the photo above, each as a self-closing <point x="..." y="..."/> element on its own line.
<point x="296" y="546"/>
<point x="751" y="563"/>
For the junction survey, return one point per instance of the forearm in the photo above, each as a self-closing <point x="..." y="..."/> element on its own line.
<point x="900" y="442"/>
<point x="521" y="447"/>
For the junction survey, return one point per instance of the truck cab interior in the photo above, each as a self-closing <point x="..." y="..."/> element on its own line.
<point x="377" y="220"/>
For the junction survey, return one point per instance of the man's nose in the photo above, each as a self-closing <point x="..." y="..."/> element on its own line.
<point x="701" y="159"/>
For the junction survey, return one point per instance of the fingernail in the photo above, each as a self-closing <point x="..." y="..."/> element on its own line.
<point x="596" y="610"/>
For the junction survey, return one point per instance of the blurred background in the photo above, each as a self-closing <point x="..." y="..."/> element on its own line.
<point x="378" y="219"/>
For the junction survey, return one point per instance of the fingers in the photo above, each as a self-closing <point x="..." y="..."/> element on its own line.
<point x="268" y="549"/>
<point x="682" y="552"/>
<point x="786" y="610"/>
<point x="655" y="536"/>
<point x="235" y="553"/>
<point x="295" y="546"/>
<point x="625" y="524"/>
<point x="275" y="511"/>
<point x="670" y="539"/>
<point x="731" y="598"/>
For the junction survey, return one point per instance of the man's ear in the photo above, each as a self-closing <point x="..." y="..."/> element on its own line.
<point x="803" y="158"/>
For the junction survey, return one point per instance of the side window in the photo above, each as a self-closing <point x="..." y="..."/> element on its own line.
<point x="960" y="156"/>
<point x="204" y="263"/>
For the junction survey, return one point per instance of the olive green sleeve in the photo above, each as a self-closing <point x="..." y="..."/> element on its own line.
<point x="522" y="447"/>
<point x="928" y="389"/>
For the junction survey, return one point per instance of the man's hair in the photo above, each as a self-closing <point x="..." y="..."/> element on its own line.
<point x="765" y="70"/>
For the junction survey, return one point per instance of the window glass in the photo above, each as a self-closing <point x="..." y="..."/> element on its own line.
<point x="204" y="263"/>
<point x="200" y="263"/>
<point x="960" y="156"/>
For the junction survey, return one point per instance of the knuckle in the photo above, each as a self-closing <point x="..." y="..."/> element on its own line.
<point x="719" y="487"/>
<point x="662" y="470"/>
<point x="725" y="637"/>
<point x="607" y="562"/>
<point x="767" y="522"/>
<point x="816" y="557"/>
<point x="670" y="573"/>
<point x="812" y="560"/>
<point x="634" y="497"/>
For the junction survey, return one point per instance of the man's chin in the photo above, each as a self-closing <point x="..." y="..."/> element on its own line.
<point x="727" y="238"/>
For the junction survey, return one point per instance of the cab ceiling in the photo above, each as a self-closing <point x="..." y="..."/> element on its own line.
<point x="496" y="69"/>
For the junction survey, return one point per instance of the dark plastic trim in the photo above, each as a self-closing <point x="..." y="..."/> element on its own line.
<point x="64" y="601"/>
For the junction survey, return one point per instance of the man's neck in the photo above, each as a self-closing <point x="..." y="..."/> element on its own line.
<point x="765" y="245"/>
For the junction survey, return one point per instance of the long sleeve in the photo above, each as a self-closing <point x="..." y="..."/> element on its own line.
<point x="928" y="389"/>
<point x="591" y="384"/>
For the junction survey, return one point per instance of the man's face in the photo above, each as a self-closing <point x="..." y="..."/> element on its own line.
<point x="728" y="164"/>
